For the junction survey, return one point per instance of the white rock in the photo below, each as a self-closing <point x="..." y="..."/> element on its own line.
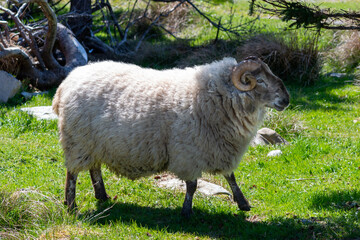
<point x="265" y="136"/>
<point x="306" y="221"/>
<point x="337" y="75"/>
<point x="274" y="153"/>
<point x="203" y="187"/>
<point x="41" y="113"/>
<point x="173" y="183"/>
<point x="28" y="95"/>
<point x="9" y="86"/>
<point x="208" y="188"/>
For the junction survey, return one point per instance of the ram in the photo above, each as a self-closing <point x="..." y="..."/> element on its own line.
<point x="140" y="121"/>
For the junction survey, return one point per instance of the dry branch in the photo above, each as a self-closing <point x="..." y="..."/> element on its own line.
<point x="128" y="41"/>
<point x="155" y="22"/>
<point x="37" y="62"/>
<point x="307" y="15"/>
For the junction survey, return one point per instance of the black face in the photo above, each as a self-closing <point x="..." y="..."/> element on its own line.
<point x="270" y="89"/>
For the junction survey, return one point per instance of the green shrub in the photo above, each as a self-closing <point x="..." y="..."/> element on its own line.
<point x="345" y="57"/>
<point x="290" y="58"/>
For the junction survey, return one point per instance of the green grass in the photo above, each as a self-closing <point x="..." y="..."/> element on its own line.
<point x="311" y="191"/>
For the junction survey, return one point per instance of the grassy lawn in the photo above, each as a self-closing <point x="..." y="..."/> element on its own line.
<point x="311" y="191"/>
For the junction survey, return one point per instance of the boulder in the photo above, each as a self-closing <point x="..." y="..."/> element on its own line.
<point x="9" y="86"/>
<point x="203" y="186"/>
<point x="28" y="95"/>
<point x="267" y="136"/>
<point x="41" y="113"/>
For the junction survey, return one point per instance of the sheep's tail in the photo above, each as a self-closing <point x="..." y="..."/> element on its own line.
<point x="56" y="101"/>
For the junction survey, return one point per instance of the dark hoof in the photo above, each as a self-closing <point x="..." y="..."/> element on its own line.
<point x="186" y="214"/>
<point x="71" y="207"/>
<point x="103" y="198"/>
<point x="245" y="208"/>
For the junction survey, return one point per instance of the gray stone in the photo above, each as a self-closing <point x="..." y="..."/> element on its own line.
<point x="259" y="140"/>
<point x="337" y="75"/>
<point x="28" y="95"/>
<point x="274" y="153"/>
<point x="41" y="113"/>
<point x="9" y="86"/>
<point x="203" y="186"/>
<point x="208" y="188"/>
<point x="306" y="221"/>
<point x="266" y="136"/>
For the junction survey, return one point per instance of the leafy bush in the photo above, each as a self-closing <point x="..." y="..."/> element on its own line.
<point x="292" y="59"/>
<point x="345" y="57"/>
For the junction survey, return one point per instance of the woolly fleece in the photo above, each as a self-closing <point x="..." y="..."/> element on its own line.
<point x="140" y="121"/>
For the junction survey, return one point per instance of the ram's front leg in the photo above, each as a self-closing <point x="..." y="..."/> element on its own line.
<point x="187" y="206"/>
<point x="239" y="197"/>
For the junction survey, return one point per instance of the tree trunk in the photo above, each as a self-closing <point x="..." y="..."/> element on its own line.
<point x="80" y="22"/>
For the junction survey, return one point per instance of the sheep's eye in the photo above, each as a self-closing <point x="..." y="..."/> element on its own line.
<point x="260" y="80"/>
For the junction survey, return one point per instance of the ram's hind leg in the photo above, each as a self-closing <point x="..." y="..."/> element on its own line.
<point x="239" y="197"/>
<point x="70" y="189"/>
<point x="98" y="184"/>
<point x="187" y="206"/>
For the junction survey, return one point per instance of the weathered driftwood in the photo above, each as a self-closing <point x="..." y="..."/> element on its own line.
<point x="33" y="62"/>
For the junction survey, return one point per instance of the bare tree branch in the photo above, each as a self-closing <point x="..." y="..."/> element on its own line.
<point x="50" y="35"/>
<point x="4" y="24"/>
<point x="28" y="68"/>
<point x="63" y="7"/>
<point x="155" y="21"/>
<point x="40" y="76"/>
<point x="111" y="13"/>
<point x="210" y="21"/>
<point x="47" y="55"/>
<point x="308" y="15"/>
<point x="166" y="30"/>
<point x="21" y="10"/>
<point x="129" y="24"/>
<point x="25" y="32"/>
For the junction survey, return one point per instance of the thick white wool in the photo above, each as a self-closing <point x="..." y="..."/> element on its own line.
<point x="141" y="121"/>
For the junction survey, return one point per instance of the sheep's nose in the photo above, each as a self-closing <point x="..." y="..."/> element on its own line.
<point x="285" y="102"/>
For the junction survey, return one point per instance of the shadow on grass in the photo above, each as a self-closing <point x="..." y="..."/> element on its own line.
<point x="214" y="225"/>
<point x="320" y="96"/>
<point x="346" y="205"/>
<point x="336" y="200"/>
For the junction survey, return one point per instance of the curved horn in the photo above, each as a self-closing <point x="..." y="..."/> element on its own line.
<point x="241" y="75"/>
<point x="252" y="58"/>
